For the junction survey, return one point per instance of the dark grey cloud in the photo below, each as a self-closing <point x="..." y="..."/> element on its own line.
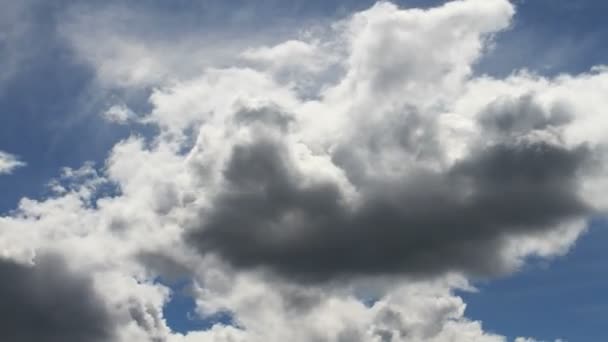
<point x="266" y="116"/>
<point x="148" y="318"/>
<point x="521" y="115"/>
<point x="163" y="265"/>
<point x="47" y="302"/>
<point x="423" y="224"/>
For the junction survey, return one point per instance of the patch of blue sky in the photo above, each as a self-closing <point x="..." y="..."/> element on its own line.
<point x="550" y="37"/>
<point x="564" y="298"/>
<point x="181" y="314"/>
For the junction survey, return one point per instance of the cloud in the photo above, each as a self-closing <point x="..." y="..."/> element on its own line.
<point x="335" y="186"/>
<point x="8" y="163"/>
<point x="46" y="301"/>
<point x="425" y="224"/>
<point x="131" y="50"/>
<point x="386" y="194"/>
<point x="119" y="114"/>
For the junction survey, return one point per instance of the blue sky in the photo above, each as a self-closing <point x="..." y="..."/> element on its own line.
<point x="51" y="104"/>
<point x="560" y="299"/>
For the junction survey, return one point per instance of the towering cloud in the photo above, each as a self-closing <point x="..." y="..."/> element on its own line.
<point x="367" y="180"/>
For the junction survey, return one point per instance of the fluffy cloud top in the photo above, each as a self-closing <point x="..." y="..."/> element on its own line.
<point x="337" y="187"/>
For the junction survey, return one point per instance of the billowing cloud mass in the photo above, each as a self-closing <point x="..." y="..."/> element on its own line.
<point x="45" y="302"/>
<point x="8" y="163"/>
<point x="336" y="186"/>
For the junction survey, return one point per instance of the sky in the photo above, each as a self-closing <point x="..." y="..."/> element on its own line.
<point x="193" y="171"/>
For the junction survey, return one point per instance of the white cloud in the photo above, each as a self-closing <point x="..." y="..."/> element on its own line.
<point x="292" y="53"/>
<point x="393" y="63"/>
<point x="119" y="114"/>
<point x="130" y="50"/>
<point x="8" y="163"/>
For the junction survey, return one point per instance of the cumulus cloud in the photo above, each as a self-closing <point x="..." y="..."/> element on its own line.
<point x="383" y="192"/>
<point x="333" y="187"/>
<point x="428" y="223"/>
<point x="46" y="301"/>
<point x="9" y="162"/>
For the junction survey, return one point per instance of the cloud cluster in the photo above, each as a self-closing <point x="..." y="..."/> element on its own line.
<point x="335" y="187"/>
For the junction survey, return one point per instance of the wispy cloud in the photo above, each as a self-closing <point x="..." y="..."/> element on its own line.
<point x="9" y="163"/>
